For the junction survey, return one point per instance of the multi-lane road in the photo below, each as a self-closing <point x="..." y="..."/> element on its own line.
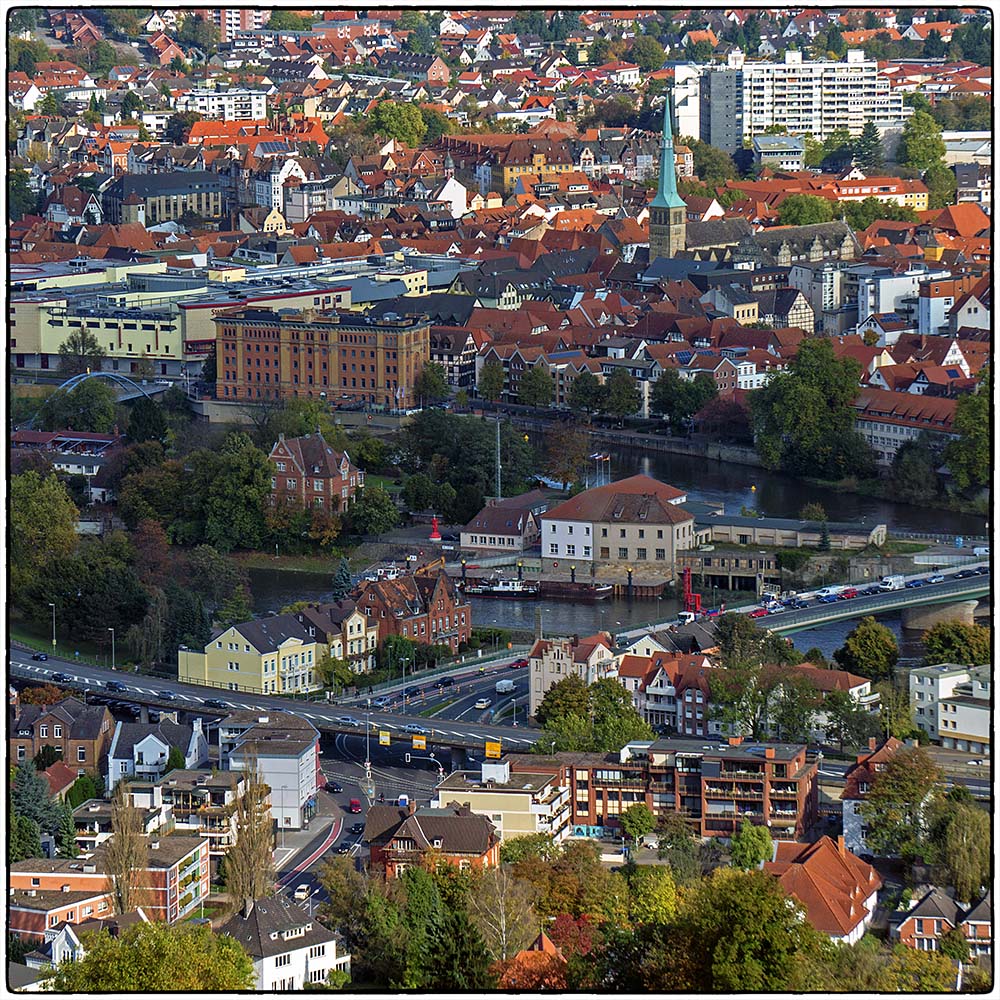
<point x="445" y="717"/>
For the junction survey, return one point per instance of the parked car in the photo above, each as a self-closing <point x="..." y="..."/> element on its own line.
<point x="215" y="703"/>
<point x="302" y="893"/>
<point x="166" y="695"/>
<point x="482" y="703"/>
<point x="759" y="613"/>
<point x="118" y="686"/>
<point x="334" y="786"/>
<point x="40" y="656"/>
<point x="61" y="678"/>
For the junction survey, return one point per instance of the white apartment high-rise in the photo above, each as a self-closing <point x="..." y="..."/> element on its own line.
<point x="808" y="97"/>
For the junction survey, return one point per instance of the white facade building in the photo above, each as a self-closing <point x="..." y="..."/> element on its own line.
<point x="229" y="105"/>
<point x="140" y="750"/>
<point x="285" y="750"/>
<point x="951" y="704"/>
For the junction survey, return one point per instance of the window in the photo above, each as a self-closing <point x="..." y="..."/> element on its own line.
<point x="43" y="731"/>
<point x="661" y="554"/>
<point x="281" y="466"/>
<point x="57" y="732"/>
<point x="21" y="754"/>
<point x="571" y="550"/>
<point x="623" y="553"/>
<point x="281" y="960"/>
<point x="604" y="532"/>
<point x="81" y="754"/>
<point x="553" y="549"/>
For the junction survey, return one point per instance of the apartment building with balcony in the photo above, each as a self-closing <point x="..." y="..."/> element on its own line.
<point x="237" y="104"/>
<point x="173" y="881"/>
<point x="518" y="805"/>
<point x="715" y="787"/>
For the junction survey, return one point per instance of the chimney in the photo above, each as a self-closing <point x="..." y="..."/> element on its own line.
<point x="840" y="846"/>
<point x="735" y="741"/>
<point x="769" y="753"/>
<point x="871" y="742"/>
<point x="411" y="807"/>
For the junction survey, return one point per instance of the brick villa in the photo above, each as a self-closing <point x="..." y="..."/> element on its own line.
<point x="315" y="474"/>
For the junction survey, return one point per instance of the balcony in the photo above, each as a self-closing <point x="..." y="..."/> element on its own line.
<point x="734" y="793"/>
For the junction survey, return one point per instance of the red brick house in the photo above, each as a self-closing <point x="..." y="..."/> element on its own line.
<point x="835" y="887"/>
<point x="936" y="913"/>
<point x="33" y="911"/>
<point x="315" y="474"/>
<point x="79" y="732"/>
<point x="401" y="837"/>
<point x="425" y="607"/>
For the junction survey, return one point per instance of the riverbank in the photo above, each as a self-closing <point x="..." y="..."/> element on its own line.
<point x="733" y="454"/>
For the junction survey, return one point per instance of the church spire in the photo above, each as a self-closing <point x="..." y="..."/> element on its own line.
<point x="666" y="192"/>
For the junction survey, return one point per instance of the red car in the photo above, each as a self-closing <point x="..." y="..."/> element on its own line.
<point x="355" y="806"/>
<point x="518" y="663"/>
<point x="759" y="613"/>
<point x="846" y="595"/>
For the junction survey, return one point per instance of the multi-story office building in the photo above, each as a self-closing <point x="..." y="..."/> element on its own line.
<point x="338" y="356"/>
<point x="714" y="787"/>
<point x="808" y="97"/>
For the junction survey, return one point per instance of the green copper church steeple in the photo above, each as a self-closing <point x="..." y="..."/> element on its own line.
<point x="666" y="193"/>
<point x="667" y="211"/>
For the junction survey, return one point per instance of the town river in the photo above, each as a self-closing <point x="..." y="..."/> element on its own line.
<point x="735" y="486"/>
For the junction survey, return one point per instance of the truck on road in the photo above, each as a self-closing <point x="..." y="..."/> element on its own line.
<point x="892" y="583"/>
<point x="505" y="687"/>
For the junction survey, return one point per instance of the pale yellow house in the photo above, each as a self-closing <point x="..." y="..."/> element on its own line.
<point x="516" y="805"/>
<point x="273" y="655"/>
<point x="348" y="633"/>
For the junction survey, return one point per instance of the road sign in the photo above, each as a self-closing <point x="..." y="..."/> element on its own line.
<point x="419" y="742"/>
<point x="383" y="737"/>
<point x="492" y="749"/>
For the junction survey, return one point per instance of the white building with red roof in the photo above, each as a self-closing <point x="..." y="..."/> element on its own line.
<point x="635" y="523"/>
<point x="837" y="890"/>
<point x="552" y="660"/>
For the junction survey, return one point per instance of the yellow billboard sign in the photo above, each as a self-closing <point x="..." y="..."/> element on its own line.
<point x="419" y="742"/>
<point x="383" y="737"/>
<point x="492" y="749"/>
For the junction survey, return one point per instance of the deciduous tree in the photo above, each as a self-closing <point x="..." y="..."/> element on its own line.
<point x="957" y="642"/>
<point x="431" y="384"/>
<point x="894" y="806"/>
<point x="535" y="388"/>
<point x="89" y="407"/>
<point x="652" y="895"/>
<point x="126" y="853"/>
<point x="804" y="210"/>
<point x="637" y="821"/>
<point x="623" y="397"/>
<point x="587" y="393"/>
<point x="156" y="958"/>
<point x="869" y="650"/>
<point x="920" y="145"/>
<point x="42" y="527"/>
<point x="80" y="352"/>
<point x="750" y="845"/>
<point x="491" y="381"/>
<point x="374" y="513"/>
<point x="968" y="457"/>
<point x="502" y="908"/>
<point x="250" y="861"/>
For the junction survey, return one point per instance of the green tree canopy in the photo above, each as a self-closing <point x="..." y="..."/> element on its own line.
<point x="623" y="397"/>
<point x="647" y="53"/>
<point x="894" y="807"/>
<point x="42" y="528"/>
<point x="968" y="457"/>
<point x="750" y="845"/>
<point x="375" y="513"/>
<point x="147" y="421"/>
<point x="870" y="650"/>
<point x="804" y="418"/>
<point x="403" y="122"/>
<point x="21" y="200"/>
<point x="536" y="387"/>
<point x="157" y="958"/>
<point x="920" y="145"/>
<point x="868" y="153"/>
<point x="679" y="399"/>
<point x="89" y="407"/>
<point x="491" y="381"/>
<point x="957" y="642"/>
<point x="587" y="393"/>
<point x="431" y="384"/>
<point x="804" y="210"/>
<point x="637" y="821"/>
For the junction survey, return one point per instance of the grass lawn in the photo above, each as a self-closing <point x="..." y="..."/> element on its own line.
<point x="429" y="713"/>
<point x="40" y="637"/>
<point x="388" y="483"/>
<point x="903" y="548"/>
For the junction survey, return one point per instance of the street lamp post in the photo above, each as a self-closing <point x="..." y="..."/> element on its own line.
<point x="112" y="631"/>
<point x="53" y="607"/>
<point x="369" y="784"/>
<point x="403" y="665"/>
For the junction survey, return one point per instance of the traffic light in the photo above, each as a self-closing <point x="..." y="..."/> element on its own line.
<point x="407" y="758"/>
